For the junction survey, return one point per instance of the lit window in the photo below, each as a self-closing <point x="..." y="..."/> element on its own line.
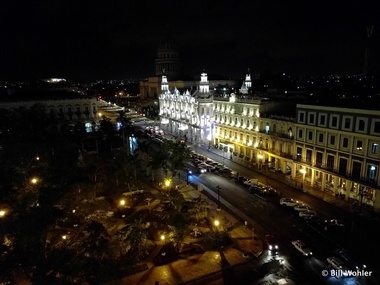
<point x="375" y="148"/>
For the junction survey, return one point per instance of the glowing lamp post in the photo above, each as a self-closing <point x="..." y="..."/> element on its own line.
<point x="2" y="213"/>
<point x="34" y="180"/>
<point x="122" y="202"/>
<point x="167" y="182"/>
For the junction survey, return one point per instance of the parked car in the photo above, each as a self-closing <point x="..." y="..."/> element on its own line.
<point x="250" y="182"/>
<point x="315" y="222"/>
<point x="288" y="202"/>
<point x="336" y="263"/>
<point x="271" y="242"/>
<point x="350" y="261"/>
<point x="270" y="192"/>
<point x="335" y="223"/>
<point x="307" y="213"/>
<point x="241" y="179"/>
<point x="255" y="189"/>
<point x="225" y="171"/>
<point x="210" y="168"/>
<point x="301" y="207"/>
<point x="302" y="248"/>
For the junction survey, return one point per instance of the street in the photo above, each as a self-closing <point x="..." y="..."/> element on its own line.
<point x="274" y="219"/>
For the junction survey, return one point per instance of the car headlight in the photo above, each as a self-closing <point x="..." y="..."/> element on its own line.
<point x="270" y="247"/>
<point x="276" y="246"/>
<point x="311" y="253"/>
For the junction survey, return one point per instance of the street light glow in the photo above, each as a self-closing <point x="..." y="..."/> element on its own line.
<point x="167" y="182"/>
<point x="216" y="223"/>
<point x="34" y="180"/>
<point x="122" y="202"/>
<point x="2" y="213"/>
<point x="162" y="237"/>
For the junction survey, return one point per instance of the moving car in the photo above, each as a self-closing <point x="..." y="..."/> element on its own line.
<point x="350" y="261"/>
<point x="271" y="242"/>
<point x="336" y="263"/>
<point x="201" y="170"/>
<point x="302" y="248"/>
<point x="288" y="202"/>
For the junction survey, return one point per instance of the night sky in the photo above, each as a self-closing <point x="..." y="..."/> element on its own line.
<point x="80" y="39"/>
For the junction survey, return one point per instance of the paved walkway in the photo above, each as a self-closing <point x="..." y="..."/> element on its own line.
<point x="207" y="267"/>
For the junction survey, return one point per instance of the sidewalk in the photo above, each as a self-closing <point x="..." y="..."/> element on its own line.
<point x="208" y="266"/>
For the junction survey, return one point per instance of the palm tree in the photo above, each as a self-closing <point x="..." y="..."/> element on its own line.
<point x="134" y="236"/>
<point x="178" y="154"/>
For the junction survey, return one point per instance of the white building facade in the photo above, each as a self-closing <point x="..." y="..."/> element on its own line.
<point x="188" y="116"/>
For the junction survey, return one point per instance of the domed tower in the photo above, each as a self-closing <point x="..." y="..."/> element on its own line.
<point x="168" y="62"/>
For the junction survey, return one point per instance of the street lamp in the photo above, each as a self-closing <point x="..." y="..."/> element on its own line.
<point x="122" y="202"/>
<point x="216" y="223"/>
<point x="2" y="213"/>
<point x="303" y="171"/>
<point x="34" y="180"/>
<point x="167" y="182"/>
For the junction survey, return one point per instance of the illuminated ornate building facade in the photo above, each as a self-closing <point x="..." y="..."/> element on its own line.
<point x="187" y="115"/>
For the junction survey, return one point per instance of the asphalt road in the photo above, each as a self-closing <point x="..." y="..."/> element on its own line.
<point x="284" y="224"/>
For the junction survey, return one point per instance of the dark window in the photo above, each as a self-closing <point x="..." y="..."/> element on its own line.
<point x="376" y="128"/>
<point x="334" y="121"/>
<point x="330" y="162"/>
<point x="323" y="120"/>
<point x="310" y="135"/>
<point x="320" y="138"/>
<point x="332" y="140"/>
<point x="308" y="156"/>
<point x="361" y="126"/>
<point x="311" y="117"/>
<point x="347" y="123"/>
<point x="319" y="158"/>
<point x="356" y="169"/>
<point x="302" y="117"/>
<point x="300" y="134"/>
<point x="342" y="166"/>
<point x="345" y="142"/>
